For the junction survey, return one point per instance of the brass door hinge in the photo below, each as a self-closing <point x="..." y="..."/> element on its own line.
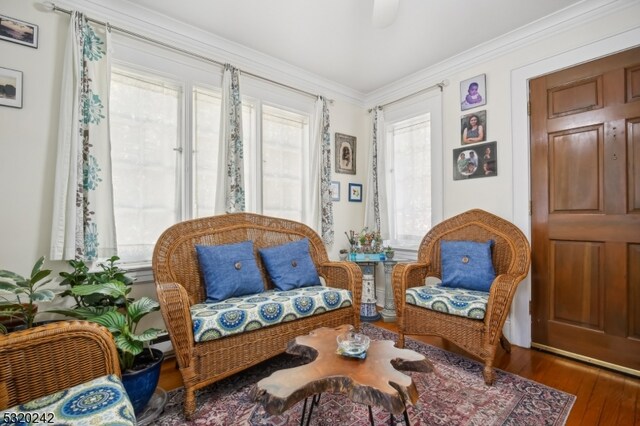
<point x="529" y="108"/>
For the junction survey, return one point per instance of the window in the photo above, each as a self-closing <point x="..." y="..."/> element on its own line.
<point x="284" y="138"/>
<point x="145" y="133"/>
<point x="165" y="133"/>
<point x="410" y="173"/>
<point x="414" y="169"/>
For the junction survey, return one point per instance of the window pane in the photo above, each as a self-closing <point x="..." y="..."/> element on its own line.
<point x="411" y="178"/>
<point x="145" y="113"/>
<point x="284" y="136"/>
<point x="207" y="106"/>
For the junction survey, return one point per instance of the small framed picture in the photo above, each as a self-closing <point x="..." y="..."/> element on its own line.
<point x="335" y="190"/>
<point x="475" y="161"/>
<point x="345" y="154"/>
<point x="473" y="92"/>
<point x="17" y="31"/>
<point x="10" y="88"/>
<point x="473" y="127"/>
<point x="355" y="192"/>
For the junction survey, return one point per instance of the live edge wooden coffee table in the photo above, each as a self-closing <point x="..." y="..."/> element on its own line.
<point x="371" y="381"/>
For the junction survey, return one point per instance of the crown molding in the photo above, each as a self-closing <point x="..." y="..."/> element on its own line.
<point x="160" y="27"/>
<point x="168" y="30"/>
<point x="569" y="17"/>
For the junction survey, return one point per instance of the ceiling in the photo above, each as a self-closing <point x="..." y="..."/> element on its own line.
<point x="335" y="39"/>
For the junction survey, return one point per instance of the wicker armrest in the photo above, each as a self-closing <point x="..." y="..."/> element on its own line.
<point x="407" y="275"/>
<point x="500" y="297"/>
<point x="346" y="275"/>
<point x="53" y="357"/>
<point x="174" y="305"/>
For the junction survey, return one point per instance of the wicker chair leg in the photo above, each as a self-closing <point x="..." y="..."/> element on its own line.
<point x="400" y="343"/>
<point x="189" y="403"/>
<point x="488" y="374"/>
<point x="506" y="345"/>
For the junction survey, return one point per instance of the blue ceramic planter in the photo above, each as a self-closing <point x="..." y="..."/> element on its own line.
<point x="141" y="384"/>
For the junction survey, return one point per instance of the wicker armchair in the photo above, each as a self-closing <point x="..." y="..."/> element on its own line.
<point x="47" y="359"/>
<point x="179" y="286"/>
<point x="511" y="260"/>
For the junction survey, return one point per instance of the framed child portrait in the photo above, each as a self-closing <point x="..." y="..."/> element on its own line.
<point x="473" y="92"/>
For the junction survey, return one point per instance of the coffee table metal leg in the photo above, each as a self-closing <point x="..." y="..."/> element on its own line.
<point x="315" y="400"/>
<point x="392" y="420"/>
<point x="370" y="415"/>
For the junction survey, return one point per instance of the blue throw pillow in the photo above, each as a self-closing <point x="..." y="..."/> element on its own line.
<point x="467" y="264"/>
<point x="229" y="270"/>
<point x="290" y="265"/>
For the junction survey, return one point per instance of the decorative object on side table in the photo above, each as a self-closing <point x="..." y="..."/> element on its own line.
<point x="103" y="297"/>
<point x="344" y="254"/>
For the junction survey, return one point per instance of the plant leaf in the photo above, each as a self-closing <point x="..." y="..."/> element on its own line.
<point x="128" y="345"/>
<point x="85" y="313"/>
<point x="42" y="295"/>
<point x="112" y="288"/>
<point x="7" y="286"/>
<point x="11" y="275"/>
<point x="146" y="336"/>
<point x="141" y="307"/>
<point x="38" y="266"/>
<point x="40" y="275"/>
<point x="114" y="321"/>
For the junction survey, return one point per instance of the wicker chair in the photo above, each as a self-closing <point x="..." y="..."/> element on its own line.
<point x="43" y="360"/>
<point x="511" y="260"/>
<point x="179" y="286"/>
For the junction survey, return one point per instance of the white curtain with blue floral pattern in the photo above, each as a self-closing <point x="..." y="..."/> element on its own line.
<point x="230" y="196"/>
<point x="83" y="219"/>
<point x="321" y="205"/>
<point x="376" y="213"/>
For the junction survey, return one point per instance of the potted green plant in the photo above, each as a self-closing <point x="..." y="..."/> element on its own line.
<point x="103" y="297"/>
<point x="19" y="307"/>
<point x="389" y="252"/>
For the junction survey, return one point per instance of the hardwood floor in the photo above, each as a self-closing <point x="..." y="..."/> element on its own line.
<point x="604" y="397"/>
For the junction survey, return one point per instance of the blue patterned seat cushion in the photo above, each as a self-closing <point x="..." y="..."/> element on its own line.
<point x="455" y="301"/>
<point x="99" y="401"/>
<point x="236" y="315"/>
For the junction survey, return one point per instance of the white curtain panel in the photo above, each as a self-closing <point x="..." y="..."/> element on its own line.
<point x="230" y="196"/>
<point x="83" y="220"/>
<point x="320" y="207"/>
<point x="376" y="213"/>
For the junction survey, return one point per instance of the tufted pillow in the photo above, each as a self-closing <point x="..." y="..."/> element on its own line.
<point x="290" y="265"/>
<point x="467" y="264"/>
<point x="229" y="270"/>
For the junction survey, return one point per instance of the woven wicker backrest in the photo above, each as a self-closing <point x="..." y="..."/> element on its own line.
<point x="175" y="259"/>
<point x="53" y="357"/>
<point x="510" y="252"/>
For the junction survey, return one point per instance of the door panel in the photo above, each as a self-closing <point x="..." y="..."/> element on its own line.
<point x="585" y="165"/>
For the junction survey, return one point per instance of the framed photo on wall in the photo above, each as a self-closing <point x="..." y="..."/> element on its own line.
<point x="355" y="192"/>
<point x="473" y="92"/>
<point x="473" y="127"/>
<point x="475" y="161"/>
<point x="335" y="190"/>
<point x="19" y="32"/>
<point x="10" y="88"/>
<point x="345" y="154"/>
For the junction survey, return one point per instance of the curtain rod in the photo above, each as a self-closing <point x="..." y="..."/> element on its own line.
<point x="441" y="85"/>
<point x="52" y="6"/>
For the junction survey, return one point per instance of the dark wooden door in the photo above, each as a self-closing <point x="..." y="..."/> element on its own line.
<point x="585" y="188"/>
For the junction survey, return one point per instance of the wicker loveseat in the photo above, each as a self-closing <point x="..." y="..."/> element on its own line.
<point x="180" y="287"/>
<point x="66" y="372"/>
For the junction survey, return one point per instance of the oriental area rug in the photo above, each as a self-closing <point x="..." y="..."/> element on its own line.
<point x="454" y="394"/>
